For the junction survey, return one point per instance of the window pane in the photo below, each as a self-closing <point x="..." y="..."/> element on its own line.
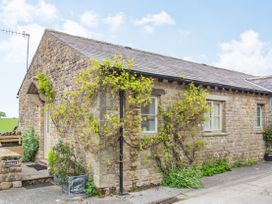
<point x="214" y="117"/>
<point x="207" y="123"/>
<point x="216" y="109"/>
<point x="258" y="122"/>
<point x="259" y="116"/>
<point x="216" y="123"/>
<point x="258" y="111"/>
<point x="150" y="108"/>
<point x="148" y="123"/>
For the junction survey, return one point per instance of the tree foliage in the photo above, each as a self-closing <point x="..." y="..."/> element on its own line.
<point x="2" y="114"/>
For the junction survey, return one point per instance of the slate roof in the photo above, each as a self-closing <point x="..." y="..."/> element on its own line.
<point x="159" y="65"/>
<point x="265" y="82"/>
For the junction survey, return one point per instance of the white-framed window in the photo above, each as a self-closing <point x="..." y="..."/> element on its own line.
<point x="214" y="117"/>
<point x="259" y="115"/>
<point x="149" y="116"/>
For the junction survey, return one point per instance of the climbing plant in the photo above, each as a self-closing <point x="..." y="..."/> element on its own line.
<point x="45" y="86"/>
<point x="177" y="141"/>
<point x="180" y="124"/>
<point x="72" y="112"/>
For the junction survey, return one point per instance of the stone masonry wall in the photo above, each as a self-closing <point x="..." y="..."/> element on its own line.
<point x="239" y="138"/>
<point x="10" y="169"/>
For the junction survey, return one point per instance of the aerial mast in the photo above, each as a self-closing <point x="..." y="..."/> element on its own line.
<point x="24" y="35"/>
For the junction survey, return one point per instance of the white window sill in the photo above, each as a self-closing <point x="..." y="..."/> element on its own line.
<point x="214" y="134"/>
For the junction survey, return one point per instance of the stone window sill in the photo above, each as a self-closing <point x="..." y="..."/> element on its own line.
<point x="259" y="131"/>
<point x="214" y="134"/>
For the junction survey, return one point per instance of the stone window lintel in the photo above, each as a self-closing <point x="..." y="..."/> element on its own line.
<point x="157" y="92"/>
<point x="212" y="97"/>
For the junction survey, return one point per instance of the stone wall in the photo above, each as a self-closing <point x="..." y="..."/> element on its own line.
<point x="239" y="139"/>
<point x="10" y="169"/>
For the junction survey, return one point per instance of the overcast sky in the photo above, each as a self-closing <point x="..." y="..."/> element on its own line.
<point x="234" y="34"/>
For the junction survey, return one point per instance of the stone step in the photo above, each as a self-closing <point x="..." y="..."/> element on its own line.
<point x="37" y="181"/>
<point x="43" y="162"/>
<point x="30" y="176"/>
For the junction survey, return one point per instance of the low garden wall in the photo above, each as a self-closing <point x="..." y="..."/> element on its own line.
<point x="10" y="137"/>
<point x="10" y="169"/>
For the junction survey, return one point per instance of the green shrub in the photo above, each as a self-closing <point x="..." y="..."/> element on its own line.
<point x="267" y="135"/>
<point x="183" y="178"/>
<point x="215" y="167"/>
<point x="90" y="189"/>
<point x="52" y="161"/>
<point x="242" y="163"/>
<point x="268" y="150"/>
<point x="63" y="162"/>
<point x="30" y="144"/>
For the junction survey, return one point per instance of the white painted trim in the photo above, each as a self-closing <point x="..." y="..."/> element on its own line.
<point x="156" y="116"/>
<point x="212" y="115"/>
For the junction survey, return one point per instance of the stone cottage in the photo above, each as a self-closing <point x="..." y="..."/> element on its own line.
<point x="242" y="102"/>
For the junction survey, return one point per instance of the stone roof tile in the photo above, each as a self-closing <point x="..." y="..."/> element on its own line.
<point x="156" y="64"/>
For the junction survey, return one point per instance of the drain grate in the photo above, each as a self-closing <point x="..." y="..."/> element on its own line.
<point x="171" y="200"/>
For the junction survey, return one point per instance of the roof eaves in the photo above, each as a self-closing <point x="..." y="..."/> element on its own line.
<point x="259" y="86"/>
<point x="179" y="79"/>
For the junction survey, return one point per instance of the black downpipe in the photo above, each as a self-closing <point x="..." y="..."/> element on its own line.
<point x="121" y="143"/>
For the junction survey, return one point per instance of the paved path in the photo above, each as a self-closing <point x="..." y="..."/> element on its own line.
<point x="250" y="185"/>
<point x="53" y="195"/>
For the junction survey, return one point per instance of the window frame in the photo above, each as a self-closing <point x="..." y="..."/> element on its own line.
<point x="212" y="129"/>
<point x="48" y="122"/>
<point x="261" y="117"/>
<point x="156" y="117"/>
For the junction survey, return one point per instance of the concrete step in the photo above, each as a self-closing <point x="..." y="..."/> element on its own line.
<point x="30" y="176"/>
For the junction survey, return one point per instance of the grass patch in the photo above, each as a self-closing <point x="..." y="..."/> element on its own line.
<point x="243" y="163"/>
<point x="183" y="178"/>
<point x="191" y="177"/>
<point x="90" y="189"/>
<point x="8" y="124"/>
<point x="215" y="167"/>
